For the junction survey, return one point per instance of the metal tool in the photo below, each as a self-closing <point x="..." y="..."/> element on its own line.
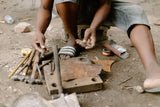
<point x="73" y="102"/>
<point x="57" y="69"/>
<point x="40" y="73"/>
<point x="36" y="60"/>
<point x="21" y="63"/>
<point x="33" y="81"/>
<point x="19" y="77"/>
<point x="29" y="62"/>
<point x="41" y="66"/>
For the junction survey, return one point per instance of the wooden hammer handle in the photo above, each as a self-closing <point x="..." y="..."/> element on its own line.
<point x="36" y="60"/>
<point x="20" y="64"/>
<point x="29" y="62"/>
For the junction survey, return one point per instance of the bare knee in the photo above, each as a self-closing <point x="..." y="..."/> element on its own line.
<point x="67" y="7"/>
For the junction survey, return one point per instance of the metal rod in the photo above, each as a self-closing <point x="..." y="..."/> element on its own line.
<point x="21" y="69"/>
<point x="39" y="71"/>
<point x="41" y="66"/>
<point x="57" y="69"/>
<point x="29" y="62"/>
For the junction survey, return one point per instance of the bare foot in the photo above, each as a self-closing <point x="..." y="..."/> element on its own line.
<point x="153" y="78"/>
<point x="151" y="83"/>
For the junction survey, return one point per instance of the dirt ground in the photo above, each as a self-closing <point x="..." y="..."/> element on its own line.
<point x="113" y="93"/>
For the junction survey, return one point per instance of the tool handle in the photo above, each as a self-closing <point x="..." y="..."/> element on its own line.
<point x="57" y="69"/>
<point x="36" y="60"/>
<point x="29" y="62"/>
<point x="11" y="74"/>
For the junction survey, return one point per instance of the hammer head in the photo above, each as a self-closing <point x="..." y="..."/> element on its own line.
<point x="19" y="77"/>
<point x="34" y="81"/>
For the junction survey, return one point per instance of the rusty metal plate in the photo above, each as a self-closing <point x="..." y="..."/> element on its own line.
<point x="79" y="85"/>
<point x="72" y="69"/>
<point x="106" y="64"/>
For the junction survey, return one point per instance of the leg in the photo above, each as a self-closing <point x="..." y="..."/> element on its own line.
<point x="142" y="40"/>
<point x="136" y="24"/>
<point x="68" y="12"/>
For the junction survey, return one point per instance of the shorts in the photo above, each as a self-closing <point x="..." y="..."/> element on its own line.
<point x="123" y="15"/>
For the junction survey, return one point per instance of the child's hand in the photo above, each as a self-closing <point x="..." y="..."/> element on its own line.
<point x="39" y="42"/>
<point x="89" y="39"/>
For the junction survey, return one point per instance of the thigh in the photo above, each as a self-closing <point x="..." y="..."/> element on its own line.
<point x="124" y="15"/>
<point x="87" y="9"/>
<point x="62" y="1"/>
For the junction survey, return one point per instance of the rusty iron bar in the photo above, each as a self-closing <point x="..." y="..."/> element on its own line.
<point x="57" y="69"/>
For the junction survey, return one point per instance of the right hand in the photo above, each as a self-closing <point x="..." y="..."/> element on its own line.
<point x="89" y="39"/>
<point x="39" y="42"/>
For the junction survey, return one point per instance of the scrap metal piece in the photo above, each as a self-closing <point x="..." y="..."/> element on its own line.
<point x="106" y="64"/>
<point x="72" y="69"/>
<point x="78" y="85"/>
<point x="116" y="49"/>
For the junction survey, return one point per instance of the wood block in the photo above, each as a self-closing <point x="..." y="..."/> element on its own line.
<point x="79" y="85"/>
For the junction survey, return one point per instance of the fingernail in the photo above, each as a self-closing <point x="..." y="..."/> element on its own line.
<point x="43" y="46"/>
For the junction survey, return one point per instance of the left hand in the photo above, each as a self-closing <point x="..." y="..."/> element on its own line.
<point x="89" y="38"/>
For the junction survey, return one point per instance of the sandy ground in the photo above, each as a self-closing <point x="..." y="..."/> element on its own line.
<point x="113" y="93"/>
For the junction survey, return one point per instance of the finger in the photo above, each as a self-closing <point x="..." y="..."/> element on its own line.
<point x="42" y="44"/>
<point x="86" y="36"/>
<point x="35" y="45"/>
<point x="88" y="41"/>
<point x="93" y="41"/>
<point x="81" y="43"/>
<point x="88" y="47"/>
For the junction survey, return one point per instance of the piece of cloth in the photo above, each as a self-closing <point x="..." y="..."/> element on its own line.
<point x="123" y="15"/>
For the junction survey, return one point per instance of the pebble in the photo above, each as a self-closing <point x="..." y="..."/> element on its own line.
<point x="1" y="32"/>
<point x="10" y="88"/>
<point x="133" y="59"/>
<point x="14" y="90"/>
<point x="139" y="89"/>
<point x="7" y="66"/>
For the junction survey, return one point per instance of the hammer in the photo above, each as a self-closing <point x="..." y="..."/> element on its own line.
<point x="36" y="60"/>
<point x="19" y="77"/>
<point x="33" y="81"/>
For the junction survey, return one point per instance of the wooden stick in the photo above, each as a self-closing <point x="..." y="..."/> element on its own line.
<point x="21" y="63"/>
<point x="1" y="21"/>
<point x="36" y="60"/>
<point x="29" y="62"/>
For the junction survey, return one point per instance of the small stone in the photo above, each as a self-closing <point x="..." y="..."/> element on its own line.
<point x="139" y="89"/>
<point x="10" y="70"/>
<point x="133" y="59"/>
<point x="22" y="27"/>
<point x="14" y="90"/>
<point x="10" y="88"/>
<point x="7" y="66"/>
<point x="1" y="32"/>
<point x="149" y="105"/>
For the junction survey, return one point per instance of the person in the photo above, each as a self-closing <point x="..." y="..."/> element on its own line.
<point x="125" y="15"/>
